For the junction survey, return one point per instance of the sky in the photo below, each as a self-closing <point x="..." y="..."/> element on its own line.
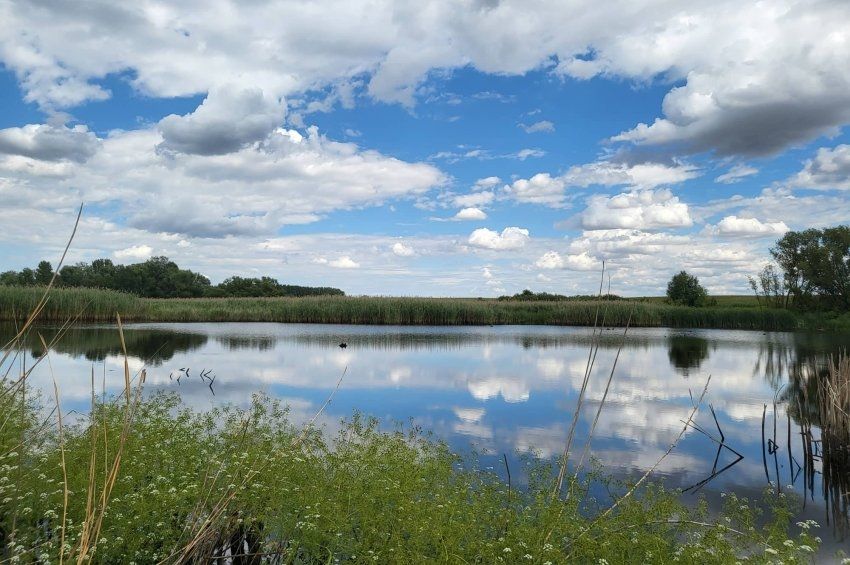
<point x="447" y="148"/>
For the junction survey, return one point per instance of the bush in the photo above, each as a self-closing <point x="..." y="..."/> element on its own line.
<point x="685" y="289"/>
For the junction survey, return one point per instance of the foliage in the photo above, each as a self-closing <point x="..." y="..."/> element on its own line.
<point x="769" y="288"/>
<point x="816" y="267"/>
<point x="191" y="484"/>
<point x="685" y="289"/>
<point x="528" y="295"/>
<point x="267" y="287"/>
<point x="98" y="305"/>
<point x="158" y="277"/>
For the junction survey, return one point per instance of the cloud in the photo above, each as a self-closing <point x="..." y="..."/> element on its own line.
<point x="44" y="142"/>
<point x="829" y="169"/>
<point x="290" y="179"/>
<point x="751" y="78"/>
<point x="580" y="262"/>
<point x="645" y="209"/>
<point x="471" y="214"/>
<point x="344" y="262"/>
<point x="550" y="191"/>
<point x="736" y="173"/>
<point x="487" y="182"/>
<point x="474" y="199"/>
<point x="541" y="126"/>
<point x="403" y="250"/>
<point x="510" y="238"/>
<point x="134" y="252"/>
<point x="524" y="154"/>
<point x="639" y="175"/>
<point x="749" y="227"/>
<point x="228" y="119"/>
<point x="542" y="188"/>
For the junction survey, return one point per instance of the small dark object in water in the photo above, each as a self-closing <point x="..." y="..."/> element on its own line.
<point x="343" y="345"/>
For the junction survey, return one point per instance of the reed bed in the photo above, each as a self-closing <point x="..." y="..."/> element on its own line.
<point x="834" y="410"/>
<point x="98" y="305"/>
<point x="82" y="304"/>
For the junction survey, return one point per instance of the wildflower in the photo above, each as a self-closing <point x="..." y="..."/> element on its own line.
<point x="506" y="550"/>
<point x="771" y="551"/>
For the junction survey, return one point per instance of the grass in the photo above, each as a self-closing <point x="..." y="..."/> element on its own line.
<point x="98" y="305"/>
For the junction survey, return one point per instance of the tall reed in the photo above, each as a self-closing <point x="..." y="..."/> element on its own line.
<point x="99" y="305"/>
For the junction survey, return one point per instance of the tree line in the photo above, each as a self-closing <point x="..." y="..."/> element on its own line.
<point x="810" y="272"/>
<point x="158" y="277"/>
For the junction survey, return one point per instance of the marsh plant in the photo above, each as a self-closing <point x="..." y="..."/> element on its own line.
<point x="152" y="481"/>
<point x="92" y="305"/>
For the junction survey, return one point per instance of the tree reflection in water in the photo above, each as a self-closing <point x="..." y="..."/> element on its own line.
<point x="686" y="352"/>
<point x="818" y="400"/>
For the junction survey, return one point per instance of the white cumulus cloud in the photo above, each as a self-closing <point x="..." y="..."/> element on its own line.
<point x="470" y="214"/>
<point x="403" y="250"/>
<point x="134" y="252"/>
<point x="510" y="238"/>
<point x="578" y="262"/>
<point x="644" y="209"/>
<point x="735" y="226"/>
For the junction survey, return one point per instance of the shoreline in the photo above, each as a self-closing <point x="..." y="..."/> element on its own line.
<point x="93" y="305"/>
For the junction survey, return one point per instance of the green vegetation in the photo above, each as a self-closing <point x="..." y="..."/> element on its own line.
<point x="685" y="289"/>
<point x="150" y="481"/>
<point x="816" y="268"/>
<point x="157" y="277"/>
<point x="528" y="295"/>
<point x="103" y="305"/>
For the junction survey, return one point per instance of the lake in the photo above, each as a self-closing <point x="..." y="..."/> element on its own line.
<point x="509" y="390"/>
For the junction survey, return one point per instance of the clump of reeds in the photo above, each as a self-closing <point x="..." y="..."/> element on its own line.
<point x="834" y="408"/>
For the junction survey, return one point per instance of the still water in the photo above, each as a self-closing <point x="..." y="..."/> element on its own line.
<point x="512" y="390"/>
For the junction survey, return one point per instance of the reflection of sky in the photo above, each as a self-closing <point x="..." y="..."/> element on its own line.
<point x="501" y="389"/>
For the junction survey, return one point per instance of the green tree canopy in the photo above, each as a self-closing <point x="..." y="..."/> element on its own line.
<point x="158" y="277"/>
<point x="816" y="267"/>
<point x="684" y="288"/>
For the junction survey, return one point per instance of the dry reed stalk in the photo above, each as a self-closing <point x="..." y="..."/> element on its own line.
<point x="65" y="495"/>
<point x="646" y="475"/>
<point x="591" y="358"/>
<point x="94" y="516"/>
<point x="602" y="402"/>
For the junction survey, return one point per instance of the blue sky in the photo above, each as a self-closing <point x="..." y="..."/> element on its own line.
<point x="466" y="149"/>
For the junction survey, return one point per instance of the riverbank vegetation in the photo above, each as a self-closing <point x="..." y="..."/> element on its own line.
<point x="147" y="480"/>
<point x="91" y="305"/>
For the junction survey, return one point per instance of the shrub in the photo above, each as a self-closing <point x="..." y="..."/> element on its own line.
<point x="685" y="289"/>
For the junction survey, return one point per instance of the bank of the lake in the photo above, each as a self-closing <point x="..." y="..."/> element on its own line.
<point x="92" y="305"/>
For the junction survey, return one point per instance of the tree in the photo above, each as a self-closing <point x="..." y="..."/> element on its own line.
<point x="44" y="273"/>
<point x="684" y="288"/>
<point x="816" y="267"/>
<point x="769" y="287"/>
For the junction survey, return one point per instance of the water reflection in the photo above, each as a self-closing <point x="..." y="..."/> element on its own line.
<point x="687" y="352"/>
<point x="152" y="345"/>
<point x="510" y="389"/>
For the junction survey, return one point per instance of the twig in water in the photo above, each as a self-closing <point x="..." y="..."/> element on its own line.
<point x="508" y="470"/>
<point x="652" y="469"/>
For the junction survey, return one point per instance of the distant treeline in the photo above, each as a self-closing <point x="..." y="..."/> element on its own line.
<point x="527" y="295"/>
<point x="158" y="277"/>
